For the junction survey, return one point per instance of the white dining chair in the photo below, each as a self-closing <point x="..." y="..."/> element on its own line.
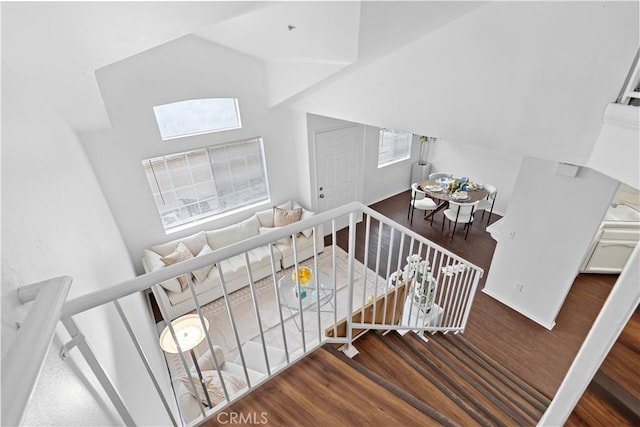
<point x="437" y="175"/>
<point x="460" y="213"/>
<point x="420" y="201"/>
<point x="488" y="202"/>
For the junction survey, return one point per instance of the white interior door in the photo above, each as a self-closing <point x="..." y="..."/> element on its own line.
<point x="337" y="165"/>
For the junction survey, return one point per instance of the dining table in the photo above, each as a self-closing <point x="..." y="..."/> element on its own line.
<point x="435" y="189"/>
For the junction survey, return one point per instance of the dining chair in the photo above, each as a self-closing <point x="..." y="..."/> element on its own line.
<point x="487" y="203"/>
<point x="420" y="201"/>
<point x="460" y="213"/>
<point x="437" y="175"/>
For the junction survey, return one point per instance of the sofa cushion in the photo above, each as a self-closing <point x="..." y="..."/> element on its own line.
<point x="154" y="263"/>
<point x="195" y="242"/>
<point x="282" y="217"/>
<point x="302" y="243"/>
<point x="201" y="273"/>
<point x="206" y="362"/>
<point x="284" y="241"/>
<point x="305" y="214"/>
<point x="233" y="383"/>
<point x="254" y="357"/>
<point x="233" y="234"/>
<point x="181" y="253"/>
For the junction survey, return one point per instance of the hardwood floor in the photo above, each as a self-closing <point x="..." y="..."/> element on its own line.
<point x="320" y="390"/>
<point x="539" y="356"/>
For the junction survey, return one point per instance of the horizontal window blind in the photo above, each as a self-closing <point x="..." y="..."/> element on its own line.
<point x="206" y="182"/>
<point x="394" y="146"/>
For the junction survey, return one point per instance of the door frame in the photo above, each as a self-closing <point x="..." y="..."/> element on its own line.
<point x="313" y="165"/>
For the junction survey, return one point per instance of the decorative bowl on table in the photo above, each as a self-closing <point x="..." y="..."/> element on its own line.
<point x="304" y="274"/>
<point x="460" y="195"/>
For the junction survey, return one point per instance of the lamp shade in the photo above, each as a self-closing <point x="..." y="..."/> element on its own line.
<point x="189" y="331"/>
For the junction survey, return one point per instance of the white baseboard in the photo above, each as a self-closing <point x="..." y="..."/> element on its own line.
<point x="547" y="325"/>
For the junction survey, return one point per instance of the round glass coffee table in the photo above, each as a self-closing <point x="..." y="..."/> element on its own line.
<point x="314" y="294"/>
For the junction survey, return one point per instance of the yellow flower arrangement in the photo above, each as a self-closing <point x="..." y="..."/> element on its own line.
<point x="304" y="273"/>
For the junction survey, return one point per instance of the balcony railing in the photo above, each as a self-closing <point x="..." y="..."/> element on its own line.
<point x="399" y="281"/>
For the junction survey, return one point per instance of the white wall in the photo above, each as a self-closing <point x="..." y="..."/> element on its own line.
<point x="554" y="219"/>
<point x="186" y="68"/>
<point x="55" y="221"/>
<point x="374" y="184"/>
<point x="617" y="151"/>
<point x="497" y="167"/>
<point x="526" y="77"/>
<point x="380" y="183"/>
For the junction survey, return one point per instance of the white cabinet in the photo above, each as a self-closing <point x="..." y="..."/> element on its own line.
<point x="612" y="247"/>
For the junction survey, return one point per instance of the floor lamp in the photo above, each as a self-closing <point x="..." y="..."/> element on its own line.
<point x="189" y="333"/>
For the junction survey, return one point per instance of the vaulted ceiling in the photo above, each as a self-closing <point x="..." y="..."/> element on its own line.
<point x="527" y="77"/>
<point x="58" y="46"/>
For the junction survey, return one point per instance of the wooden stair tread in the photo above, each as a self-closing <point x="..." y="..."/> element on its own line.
<point x="512" y="404"/>
<point x="630" y="335"/>
<point x="378" y="357"/>
<point x="450" y="373"/>
<point x="623" y="366"/>
<point x="594" y="411"/>
<point x="322" y="390"/>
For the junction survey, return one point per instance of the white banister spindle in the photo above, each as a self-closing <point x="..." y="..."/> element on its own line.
<point x="385" y="253"/>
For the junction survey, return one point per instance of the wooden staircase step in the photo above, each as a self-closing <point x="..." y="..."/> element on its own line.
<point x="630" y="335"/>
<point x="521" y="409"/>
<point x="503" y="400"/>
<point x="619" y="397"/>
<point x="622" y="365"/>
<point x="543" y="400"/>
<point x="594" y="411"/>
<point x="322" y="389"/>
<point x="456" y="378"/>
<point x="379" y="358"/>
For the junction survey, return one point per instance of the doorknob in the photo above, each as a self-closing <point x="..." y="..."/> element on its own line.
<point x="322" y="196"/>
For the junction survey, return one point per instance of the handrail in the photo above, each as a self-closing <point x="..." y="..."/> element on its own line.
<point x="140" y="283"/>
<point x="455" y="295"/>
<point x="377" y="215"/>
<point x="23" y="363"/>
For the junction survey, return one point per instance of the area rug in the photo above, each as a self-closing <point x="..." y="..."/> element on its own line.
<point x="289" y="334"/>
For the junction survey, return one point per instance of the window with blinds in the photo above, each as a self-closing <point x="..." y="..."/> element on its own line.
<point x="197" y="116"/>
<point x="394" y="146"/>
<point x="206" y="182"/>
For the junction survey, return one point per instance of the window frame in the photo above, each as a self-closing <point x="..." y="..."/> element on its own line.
<point x="398" y="159"/>
<point x="203" y="131"/>
<point x="233" y="183"/>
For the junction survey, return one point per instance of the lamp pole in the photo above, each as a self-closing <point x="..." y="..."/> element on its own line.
<point x="204" y="386"/>
<point x="189" y="333"/>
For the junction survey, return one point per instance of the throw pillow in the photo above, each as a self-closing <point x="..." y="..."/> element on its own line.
<point x="181" y="253"/>
<point x="305" y="214"/>
<point x="154" y="263"/>
<point x="202" y="273"/>
<point x="214" y="388"/>
<point x="282" y="217"/>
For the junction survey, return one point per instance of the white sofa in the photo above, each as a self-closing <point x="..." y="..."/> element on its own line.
<point x="177" y="298"/>
<point x="256" y="369"/>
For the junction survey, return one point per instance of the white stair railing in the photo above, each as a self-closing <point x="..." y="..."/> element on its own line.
<point x="402" y="281"/>
<point x="31" y="344"/>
